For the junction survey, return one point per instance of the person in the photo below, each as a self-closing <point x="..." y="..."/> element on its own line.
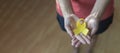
<point x="98" y="14"/>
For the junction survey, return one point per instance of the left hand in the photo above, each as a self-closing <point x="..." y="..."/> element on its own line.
<point x="92" y="23"/>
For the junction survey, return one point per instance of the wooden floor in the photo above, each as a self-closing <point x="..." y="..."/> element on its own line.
<point x="30" y="26"/>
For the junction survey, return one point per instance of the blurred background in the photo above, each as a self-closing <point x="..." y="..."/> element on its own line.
<point x="30" y="26"/>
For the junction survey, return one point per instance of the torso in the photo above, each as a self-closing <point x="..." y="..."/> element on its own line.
<point x="82" y="8"/>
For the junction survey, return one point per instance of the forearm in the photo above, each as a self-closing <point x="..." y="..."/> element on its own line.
<point x="66" y="7"/>
<point x="99" y="8"/>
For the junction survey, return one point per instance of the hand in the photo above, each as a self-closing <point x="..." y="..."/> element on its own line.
<point x="92" y="23"/>
<point x="69" y="28"/>
<point x="68" y="24"/>
<point x="76" y="39"/>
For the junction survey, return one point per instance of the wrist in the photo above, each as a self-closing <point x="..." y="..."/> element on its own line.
<point x="95" y="15"/>
<point x="68" y="15"/>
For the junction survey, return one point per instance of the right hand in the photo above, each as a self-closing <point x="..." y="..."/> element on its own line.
<point x="76" y="41"/>
<point x="68" y="25"/>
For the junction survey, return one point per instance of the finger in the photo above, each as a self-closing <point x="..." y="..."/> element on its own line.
<point x="69" y="31"/>
<point x="93" y="28"/>
<point x="93" y="31"/>
<point x="75" y="17"/>
<point x="87" y="18"/>
<point x="78" y="44"/>
<point x="74" y="41"/>
<point x="80" y="39"/>
<point x="86" y="39"/>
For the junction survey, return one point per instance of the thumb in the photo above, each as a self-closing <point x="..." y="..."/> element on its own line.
<point x="93" y="31"/>
<point x="69" y="31"/>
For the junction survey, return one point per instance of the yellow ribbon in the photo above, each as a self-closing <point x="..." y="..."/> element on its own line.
<point x="81" y="27"/>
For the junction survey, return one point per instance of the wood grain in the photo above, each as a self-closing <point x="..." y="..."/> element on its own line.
<point x="30" y="26"/>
